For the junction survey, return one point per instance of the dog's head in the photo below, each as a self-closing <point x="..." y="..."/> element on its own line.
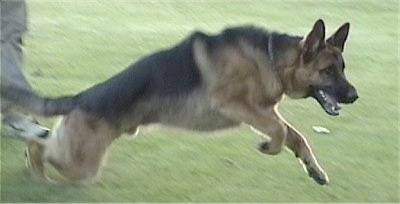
<point x="321" y="68"/>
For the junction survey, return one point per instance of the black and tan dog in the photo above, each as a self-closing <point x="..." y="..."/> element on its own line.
<point x="207" y="82"/>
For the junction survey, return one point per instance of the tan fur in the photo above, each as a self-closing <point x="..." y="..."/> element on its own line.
<point x="77" y="149"/>
<point x="243" y="85"/>
<point x="247" y="90"/>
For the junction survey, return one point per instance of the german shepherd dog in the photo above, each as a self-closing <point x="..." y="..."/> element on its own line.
<point x="205" y="83"/>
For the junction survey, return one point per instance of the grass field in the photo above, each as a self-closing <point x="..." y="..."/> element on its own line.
<point x="72" y="45"/>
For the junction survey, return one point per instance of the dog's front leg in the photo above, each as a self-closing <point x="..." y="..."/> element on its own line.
<point x="298" y="144"/>
<point x="264" y="120"/>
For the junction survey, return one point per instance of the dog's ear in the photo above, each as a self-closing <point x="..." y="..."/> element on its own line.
<point x="339" y="37"/>
<point x="314" y="41"/>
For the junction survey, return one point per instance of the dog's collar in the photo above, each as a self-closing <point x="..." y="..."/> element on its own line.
<point x="270" y="53"/>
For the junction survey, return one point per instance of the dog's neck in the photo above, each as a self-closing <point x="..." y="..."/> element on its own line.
<point x="286" y="58"/>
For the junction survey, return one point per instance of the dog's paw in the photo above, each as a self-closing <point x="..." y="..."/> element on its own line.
<point x="315" y="172"/>
<point x="319" y="176"/>
<point x="268" y="148"/>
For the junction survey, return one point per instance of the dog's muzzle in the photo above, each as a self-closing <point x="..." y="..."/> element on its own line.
<point x="330" y="101"/>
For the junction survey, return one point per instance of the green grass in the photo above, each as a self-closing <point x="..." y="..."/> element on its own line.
<point x="72" y="45"/>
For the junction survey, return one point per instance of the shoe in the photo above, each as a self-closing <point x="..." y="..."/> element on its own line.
<point x="23" y="126"/>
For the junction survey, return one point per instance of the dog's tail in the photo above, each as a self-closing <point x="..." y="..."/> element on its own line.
<point x="35" y="104"/>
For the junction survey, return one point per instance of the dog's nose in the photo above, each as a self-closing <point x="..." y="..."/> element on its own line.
<point x="351" y="95"/>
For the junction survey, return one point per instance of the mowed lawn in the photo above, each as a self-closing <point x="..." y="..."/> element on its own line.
<point x="72" y="45"/>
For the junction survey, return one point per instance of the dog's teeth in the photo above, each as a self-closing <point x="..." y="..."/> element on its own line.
<point x="322" y="95"/>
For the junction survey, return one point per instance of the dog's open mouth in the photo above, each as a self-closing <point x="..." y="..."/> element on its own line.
<point x="328" y="102"/>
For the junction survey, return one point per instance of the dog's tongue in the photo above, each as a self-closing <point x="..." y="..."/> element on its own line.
<point x="328" y="103"/>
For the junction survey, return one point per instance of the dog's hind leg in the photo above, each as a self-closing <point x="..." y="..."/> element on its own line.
<point x="34" y="159"/>
<point x="298" y="144"/>
<point x="80" y="146"/>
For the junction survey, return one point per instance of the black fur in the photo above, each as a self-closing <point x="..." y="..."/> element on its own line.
<point x="165" y="73"/>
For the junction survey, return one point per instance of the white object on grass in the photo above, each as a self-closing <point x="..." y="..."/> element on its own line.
<point x="320" y="129"/>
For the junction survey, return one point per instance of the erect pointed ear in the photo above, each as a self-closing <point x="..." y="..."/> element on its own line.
<point x="339" y="37"/>
<point x="314" y="41"/>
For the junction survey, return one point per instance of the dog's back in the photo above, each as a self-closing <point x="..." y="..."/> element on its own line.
<point x="170" y="72"/>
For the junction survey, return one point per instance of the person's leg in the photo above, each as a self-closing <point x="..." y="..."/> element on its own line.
<point x="13" y="27"/>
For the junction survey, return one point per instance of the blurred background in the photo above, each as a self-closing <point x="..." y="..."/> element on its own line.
<point x="71" y="45"/>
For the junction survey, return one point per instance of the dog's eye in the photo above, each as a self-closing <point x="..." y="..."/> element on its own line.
<point x="329" y="70"/>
